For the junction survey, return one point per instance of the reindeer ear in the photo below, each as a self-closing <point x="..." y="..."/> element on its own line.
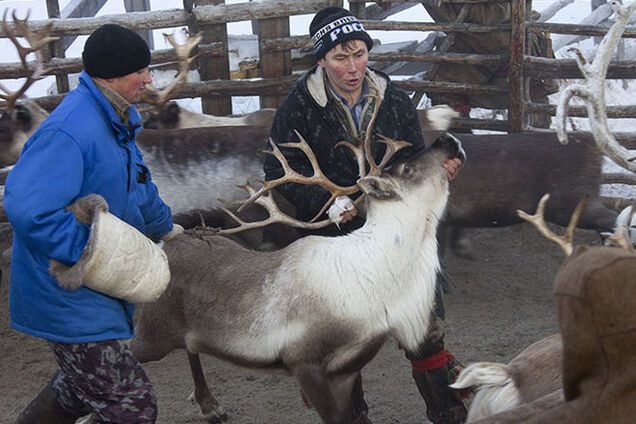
<point x="23" y="116"/>
<point x="377" y="187"/>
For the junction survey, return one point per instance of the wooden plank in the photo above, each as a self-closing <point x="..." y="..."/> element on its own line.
<point x="141" y="6"/>
<point x="217" y="68"/>
<point x="379" y="12"/>
<point x="56" y="48"/>
<point x="433" y="26"/>
<point x="543" y="67"/>
<point x="516" y="115"/>
<point x="278" y="86"/>
<point x="358" y="8"/>
<point x="79" y="9"/>
<point x="220" y="14"/>
<point x="614" y="112"/>
<point x="589" y="30"/>
<point x="450" y="87"/>
<point x="273" y="64"/>
<point x="74" y="65"/>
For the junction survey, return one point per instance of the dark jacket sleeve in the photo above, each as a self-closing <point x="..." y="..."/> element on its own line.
<point x="409" y="123"/>
<point x="308" y="199"/>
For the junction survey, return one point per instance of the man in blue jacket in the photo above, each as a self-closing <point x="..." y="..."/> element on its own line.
<point x="87" y="145"/>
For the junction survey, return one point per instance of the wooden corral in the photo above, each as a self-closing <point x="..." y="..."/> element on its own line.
<point x="277" y="71"/>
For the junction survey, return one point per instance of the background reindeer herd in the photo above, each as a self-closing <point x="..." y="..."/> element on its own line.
<point x="198" y="159"/>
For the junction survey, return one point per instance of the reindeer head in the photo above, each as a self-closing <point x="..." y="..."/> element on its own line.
<point x="19" y="120"/>
<point x="419" y="179"/>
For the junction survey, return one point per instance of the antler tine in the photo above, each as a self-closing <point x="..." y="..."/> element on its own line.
<point x="565" y="241"/>
<point x="291" y="176"/>
<point x="36" y="41"/>
<point x="159" y="97"/>
<point x="621" y="238"/>
<point x="276" y="216"/>
<point x="392" y="147"/>
<point x="592" y="91"/>
<point x="358" y="153"/>
<point x="367" y="135"/>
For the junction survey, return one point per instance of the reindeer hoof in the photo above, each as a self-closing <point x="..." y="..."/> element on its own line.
<point x="210" y="408"/>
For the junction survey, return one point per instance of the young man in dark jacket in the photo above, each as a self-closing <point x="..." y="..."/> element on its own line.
<point x="336" y="101"/>
<point x="87" y="145"/>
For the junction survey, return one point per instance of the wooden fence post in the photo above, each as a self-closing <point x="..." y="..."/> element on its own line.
<point x="275" y="64"/>
<point x="358" y="8"/>
<point x="57" y="48"/>
<point x="141" y="6"/>
<point x="217" y="67"/>
<point x="516" y="106"/>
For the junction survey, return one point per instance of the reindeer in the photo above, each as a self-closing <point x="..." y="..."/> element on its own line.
<point x="286" y="310"/>
<point x="535" y="375"/>
<point x="512" y="171"/>
<point x="171" y="116"/>
<point x="18" y="122"/>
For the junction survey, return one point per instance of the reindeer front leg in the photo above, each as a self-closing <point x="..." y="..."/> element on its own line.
<point x="210" y="407"/>
<point x="316" y="388"/>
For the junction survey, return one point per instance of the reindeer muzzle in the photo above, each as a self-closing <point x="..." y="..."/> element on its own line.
<point x="453" y="144"/>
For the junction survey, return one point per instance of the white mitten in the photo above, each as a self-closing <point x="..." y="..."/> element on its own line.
<point x="340" y="206"/>
<point x="118" y="260"/>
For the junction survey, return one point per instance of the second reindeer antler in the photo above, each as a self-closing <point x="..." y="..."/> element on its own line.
<point x="538" y="220"/>
<point x="37" y="40"/>
<point x="593" y="92"/>
<point x="158" y="97"/>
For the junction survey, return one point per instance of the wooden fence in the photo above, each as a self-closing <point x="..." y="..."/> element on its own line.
<point x="276" y="67"/>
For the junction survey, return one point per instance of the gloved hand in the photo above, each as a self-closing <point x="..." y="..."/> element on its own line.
<point x="343" y="210"/>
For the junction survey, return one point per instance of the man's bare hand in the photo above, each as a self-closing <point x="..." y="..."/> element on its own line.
<point x="348" y="215"/>
<point x="452" y="167"/>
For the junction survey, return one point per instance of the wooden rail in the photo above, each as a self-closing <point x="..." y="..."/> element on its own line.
<point x="276" y="67"/>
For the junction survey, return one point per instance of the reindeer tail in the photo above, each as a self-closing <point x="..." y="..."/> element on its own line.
<point x="495" y="389"/>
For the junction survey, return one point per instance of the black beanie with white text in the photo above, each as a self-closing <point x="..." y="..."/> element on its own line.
<point x="334" y="25"/>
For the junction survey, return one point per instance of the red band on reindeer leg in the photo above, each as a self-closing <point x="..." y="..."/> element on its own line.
<point x="432" y="362"/>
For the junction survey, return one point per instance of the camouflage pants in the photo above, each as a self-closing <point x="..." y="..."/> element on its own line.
<point x="106" y="379"/>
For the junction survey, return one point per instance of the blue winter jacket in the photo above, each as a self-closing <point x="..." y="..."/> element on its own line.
<point x="81" y="148"/>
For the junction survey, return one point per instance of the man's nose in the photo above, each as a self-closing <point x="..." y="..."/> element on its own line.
<point x="351" y="65"/>
<point x="147" y="77"/>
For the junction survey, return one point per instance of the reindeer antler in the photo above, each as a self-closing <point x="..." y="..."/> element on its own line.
<point x="593" y="92"/>
<point x="366" y="166"/>
<point x="36" y="40"/>
<point x="159" y="97"/>
<point x="565" y="241"/>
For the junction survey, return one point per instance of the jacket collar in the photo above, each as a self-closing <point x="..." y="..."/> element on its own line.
<point x="134" y="123"/>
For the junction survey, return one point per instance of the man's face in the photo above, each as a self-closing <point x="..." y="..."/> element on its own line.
<point x="132" y="85"/>
<point x="345" y="67"/>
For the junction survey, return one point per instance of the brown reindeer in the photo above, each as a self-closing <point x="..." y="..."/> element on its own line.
<point x="582" y="374"/>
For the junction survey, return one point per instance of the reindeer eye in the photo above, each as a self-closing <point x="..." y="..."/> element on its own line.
<point x="407" y="171"/>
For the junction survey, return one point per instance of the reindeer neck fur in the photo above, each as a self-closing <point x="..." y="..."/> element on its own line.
<point x="386" y="269"/>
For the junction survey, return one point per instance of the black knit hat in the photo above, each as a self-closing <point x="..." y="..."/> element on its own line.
<point x="334" y="25"/>
<point x="113" y="51"/>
